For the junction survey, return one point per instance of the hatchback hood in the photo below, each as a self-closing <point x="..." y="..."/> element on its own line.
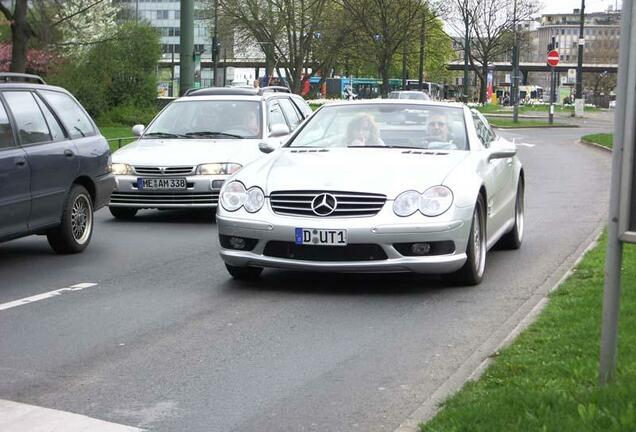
<point x="386" y="171"/>
<point x="179" y="152"/>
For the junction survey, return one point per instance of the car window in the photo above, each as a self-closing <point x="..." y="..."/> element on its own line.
<point x="31" y="125"/>
<point x="6" y="133"/>
<point x="482" y="130"/>
<point x="293" y="117"/>
<point x="54" y="125"/>
<point x="302" y="106"/>
<point x="276" y="116"/>
<point x="73" y="116"/>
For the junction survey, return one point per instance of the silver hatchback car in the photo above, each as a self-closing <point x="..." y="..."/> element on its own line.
<point x="378" y="186"/>
<point x="183" y="157"/>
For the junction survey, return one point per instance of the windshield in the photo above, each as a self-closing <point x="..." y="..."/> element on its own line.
<point x="386" y="125"/>
<point x="208" y="119"/>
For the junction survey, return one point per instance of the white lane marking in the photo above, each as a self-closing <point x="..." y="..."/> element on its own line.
<point x="45" y="295"/>
<point x="18" y="417"/>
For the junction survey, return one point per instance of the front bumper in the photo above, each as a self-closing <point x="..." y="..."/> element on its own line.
<point x="199" y="193"/>
<point x="383" y="230"/>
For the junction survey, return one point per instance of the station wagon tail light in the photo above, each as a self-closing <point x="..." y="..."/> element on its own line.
<point x="218" y="168"/>
<point x="121" y="169"/>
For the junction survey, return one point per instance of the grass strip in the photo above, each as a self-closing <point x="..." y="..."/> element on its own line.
<point x="547" y="380"/>
<point x="604" y="139"/>
<point x="523" y="123"/>
<point x="113" y="133"/>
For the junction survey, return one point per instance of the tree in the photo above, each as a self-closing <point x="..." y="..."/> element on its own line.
<point x="386" y="24"/>
<point x="490" y="27"/>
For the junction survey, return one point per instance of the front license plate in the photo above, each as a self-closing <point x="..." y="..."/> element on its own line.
<point x="162" y="183"/>
<point x="323" y="237"/>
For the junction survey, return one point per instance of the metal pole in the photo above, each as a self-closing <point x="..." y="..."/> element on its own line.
<point x="614" y="257"/>
<point x="579" y="68"/>
<point x="514" y="88"/>
<point x="552" y="96"/>
<point x="466" y="54"/>
<point x="186" y="56"/>
<point x="215" y="42"/>
<point x="172" y="73"/>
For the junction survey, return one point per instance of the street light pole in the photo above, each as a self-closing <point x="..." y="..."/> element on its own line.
<point x="514" y="83"/>
<point x="186" y="55"/>
<point x="215" y="42"/>
<point x="578" y="103"/>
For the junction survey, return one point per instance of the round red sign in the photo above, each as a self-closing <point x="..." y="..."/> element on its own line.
<point x="553" y="58"/>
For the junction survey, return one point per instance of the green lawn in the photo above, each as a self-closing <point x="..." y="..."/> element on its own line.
<point x="112" y="133"/>
<point x="529" y="109"/>
<point x="547" y="380"/>
<point x="522" y="123"/>
<point x="604" y="139"/>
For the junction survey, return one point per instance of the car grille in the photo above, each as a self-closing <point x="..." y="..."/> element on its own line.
<point x="351" y="252"/>
<point x="168" y="171"/>
<point x="350" y="204"/>
<point x="167" y="199"/>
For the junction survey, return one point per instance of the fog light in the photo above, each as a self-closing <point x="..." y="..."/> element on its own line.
<point x="237" y="242"/>
<point x="420" y="248"/>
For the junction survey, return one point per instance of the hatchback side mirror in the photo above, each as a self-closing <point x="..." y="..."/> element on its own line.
<point x="138" y="130"/>
<point x="279" y="130"/>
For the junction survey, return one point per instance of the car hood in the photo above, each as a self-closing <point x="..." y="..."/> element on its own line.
<point x="176" y="152"/>
<point x="386" y="171"/>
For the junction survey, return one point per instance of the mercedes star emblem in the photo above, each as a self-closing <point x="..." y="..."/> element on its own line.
<point x="324" y="204"/>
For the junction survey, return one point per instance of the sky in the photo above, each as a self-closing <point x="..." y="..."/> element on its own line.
<point x="559" y="6"/>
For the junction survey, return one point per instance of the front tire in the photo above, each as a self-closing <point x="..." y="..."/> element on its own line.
<point x="76" y="229"/>
<point x="514" y="238"/>
<point x="244" y="273"/>
<point x="473" y="270"/>
<point x="124" y="213"/>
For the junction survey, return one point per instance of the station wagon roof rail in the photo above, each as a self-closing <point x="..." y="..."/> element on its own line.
<point x="235" y="91"/>
<point x="20" y="77"/>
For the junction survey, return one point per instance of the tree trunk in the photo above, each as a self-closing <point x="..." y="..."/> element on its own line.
<point x="20" y="34"/>
<point x="482" y="84"/>
<point x="420" y="72"/>
<point x="384" y="73"/>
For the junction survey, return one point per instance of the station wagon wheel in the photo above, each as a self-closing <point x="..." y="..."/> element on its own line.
<point x="244" y="273"/>
<point x="472" y="271"/>
<point x="76" y="225"/>
<point x="514" y="238"/>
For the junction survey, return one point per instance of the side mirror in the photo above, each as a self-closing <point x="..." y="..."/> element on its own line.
<point x="279" y="130"/>
<point x="266" y="147"/>
<point x="502" y="154"/>
<point x="138" y="130"/>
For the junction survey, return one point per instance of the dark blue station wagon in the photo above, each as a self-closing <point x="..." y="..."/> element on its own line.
<point x="54" y="164"/>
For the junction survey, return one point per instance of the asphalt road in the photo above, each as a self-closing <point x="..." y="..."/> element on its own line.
<point x="166" y="341"/>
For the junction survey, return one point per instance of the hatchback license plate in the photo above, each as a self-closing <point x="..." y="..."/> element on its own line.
<point x="162" y="183"/>
<point x="321" y="237"/>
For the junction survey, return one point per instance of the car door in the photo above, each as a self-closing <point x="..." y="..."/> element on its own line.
<point x="497" y="177"/>
<point x="51" y="156"/>
<point x="15" y="194"/>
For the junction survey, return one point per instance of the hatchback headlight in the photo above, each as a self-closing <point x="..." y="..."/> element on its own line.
<point x="435" y="201"/>
<point x="407" y="203"/>
<point x="218" y="168"/>
<point x="233" y="196"/>
<point x="121" y="169"/>
<point x="255" y="199"/>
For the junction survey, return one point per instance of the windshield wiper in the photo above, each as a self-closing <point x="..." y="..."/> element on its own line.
<point x="212" y="134"/>
<point x="164" y="135"/>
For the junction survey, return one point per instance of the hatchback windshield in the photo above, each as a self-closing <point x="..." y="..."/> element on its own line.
<point x="387" y="125"/>
<point x="212" y="119"/>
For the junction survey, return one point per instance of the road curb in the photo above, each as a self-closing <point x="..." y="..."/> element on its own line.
<point x="593" y="144"/>
<point x="536" y="127"/>
<point x="477" y="363"/>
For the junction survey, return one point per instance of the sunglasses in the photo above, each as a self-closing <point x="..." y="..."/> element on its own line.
<point x="437" y="123"/>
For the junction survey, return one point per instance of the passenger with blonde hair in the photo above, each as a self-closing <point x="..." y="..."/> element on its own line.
<point x="363" y="131"/>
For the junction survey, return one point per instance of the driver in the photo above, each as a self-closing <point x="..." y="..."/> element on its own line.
<point x="252" y="123"/>
<point x="363" y="131"/>
<point x="438" y="128"/>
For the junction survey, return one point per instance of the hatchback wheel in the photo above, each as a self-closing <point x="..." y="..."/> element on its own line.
<point x="76" y="229"/>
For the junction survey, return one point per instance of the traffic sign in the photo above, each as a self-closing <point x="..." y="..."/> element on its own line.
<point x="553" y="58"/>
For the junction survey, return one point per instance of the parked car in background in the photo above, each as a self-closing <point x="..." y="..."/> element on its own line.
<point x="378" y="186"/>
<point x="54" y="164"/>
<point x="409" y="94"/>
<point x="183" y="157"/>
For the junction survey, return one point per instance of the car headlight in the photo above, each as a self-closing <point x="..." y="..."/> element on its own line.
<point x="255" y="199"/>
<point x="406" y="203"/>
<point x="435" y="201"/>
<point x="233" y="196"/>
<point x="121" y="169"/>
<point x="218" y="168"/>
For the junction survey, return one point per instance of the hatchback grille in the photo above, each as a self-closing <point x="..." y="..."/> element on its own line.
<point x="169" y="171"/>
<point x="166" y="199"/>
<point x="349" y="204"/>
<point x="351" y="252"/>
